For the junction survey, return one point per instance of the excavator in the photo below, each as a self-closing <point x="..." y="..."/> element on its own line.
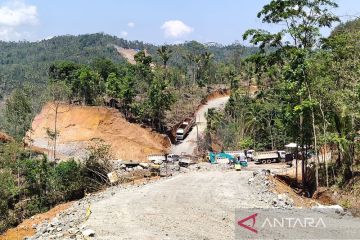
<point x="218" y="157"/>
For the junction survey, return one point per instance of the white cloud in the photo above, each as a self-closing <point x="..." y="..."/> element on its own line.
<point x="176" y="29"/>
<point x="124" y="34"/>
<point x="16" y="14"/>
<point x="131" y="24"/>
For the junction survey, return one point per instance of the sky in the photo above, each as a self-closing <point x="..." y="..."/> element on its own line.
<point x="151" y="21"/>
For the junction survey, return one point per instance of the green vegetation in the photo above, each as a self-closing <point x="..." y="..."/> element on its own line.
<point x="308" y="88"/>
<point x="31" y="184"/>
<point x="29" y="62"/>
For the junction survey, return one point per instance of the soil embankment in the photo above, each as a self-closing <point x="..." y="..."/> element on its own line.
<point x="78" y="125"/>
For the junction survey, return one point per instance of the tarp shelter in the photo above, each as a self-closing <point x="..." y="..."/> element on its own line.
<point x="291" y="145"/>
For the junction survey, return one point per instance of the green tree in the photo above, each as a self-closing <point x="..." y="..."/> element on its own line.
<point x="302" y="21"/>
<point x="122" y="88"/>
<point x="18" y="113"/>
<point x="89" y="85"/>
<point x="104" y="67"/>
<point x="165" y="54"/>
<point x="159" y="101"/>
<point x="143" y="67"/>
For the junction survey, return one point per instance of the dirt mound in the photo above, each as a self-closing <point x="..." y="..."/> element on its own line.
<point x="282" y="184"/>
<point x="324" y="195"/>
<point x="78" y="125"/>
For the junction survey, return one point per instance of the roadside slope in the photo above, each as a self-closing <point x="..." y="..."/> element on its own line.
<point x="78" y="125"/>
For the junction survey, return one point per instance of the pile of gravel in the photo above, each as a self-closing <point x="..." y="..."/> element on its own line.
<point x="66" y="225"/>
<point x="262" y="185"/>
<point x="206" y="166"/>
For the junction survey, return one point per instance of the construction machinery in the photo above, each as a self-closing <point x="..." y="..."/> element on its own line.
<point x="269" y="156"/>
<point x="223" y="157"/>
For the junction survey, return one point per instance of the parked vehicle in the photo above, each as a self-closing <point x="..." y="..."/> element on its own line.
<point x="220" y="157"/>
<point x="185" y="128"/>
<point x="173" y="157"/>
<point x="185" y="161"/>
<point x="269" y="156"/>
<point x="228" y="157"/>
<point x="249" y="154"/>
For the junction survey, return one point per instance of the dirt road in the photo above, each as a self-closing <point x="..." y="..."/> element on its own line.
<point x="189" y="144"/>
<point x="197" y="205"/>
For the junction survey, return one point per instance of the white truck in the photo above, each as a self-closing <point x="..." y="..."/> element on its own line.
<point x="185" y="128"/>
<point x="248" y="154"/>
<point x="269" y="156"/>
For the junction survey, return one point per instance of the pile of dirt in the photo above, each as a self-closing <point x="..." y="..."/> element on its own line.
<point x="282" y="185"/>
<point x="324" y="195"/>
<point x="79" y="125"/>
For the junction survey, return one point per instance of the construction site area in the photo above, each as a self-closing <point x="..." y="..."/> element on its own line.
<point x="162" y="189"/>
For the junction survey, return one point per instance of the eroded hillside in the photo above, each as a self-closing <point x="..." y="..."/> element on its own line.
<point x="78" y="125"/>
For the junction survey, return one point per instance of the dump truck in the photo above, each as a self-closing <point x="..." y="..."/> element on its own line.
<point x="184" y="128"/>
<point x="269" y="156"/>
<point x="249" y="154"/>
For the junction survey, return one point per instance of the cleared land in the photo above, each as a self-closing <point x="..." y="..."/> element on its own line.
<point x="78" y="125"/>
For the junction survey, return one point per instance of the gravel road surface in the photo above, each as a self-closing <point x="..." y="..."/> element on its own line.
<point x="189" y="144"/>
<point x="196" y="205"/>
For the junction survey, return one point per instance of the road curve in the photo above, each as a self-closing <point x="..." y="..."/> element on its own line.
<point x="189" y="144"/>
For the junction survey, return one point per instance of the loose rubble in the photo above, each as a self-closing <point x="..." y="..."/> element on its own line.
<point x="71" y="224"/>
<point x="262" y="186"/>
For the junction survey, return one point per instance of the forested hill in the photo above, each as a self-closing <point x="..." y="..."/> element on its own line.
<point x="28" y="62"/>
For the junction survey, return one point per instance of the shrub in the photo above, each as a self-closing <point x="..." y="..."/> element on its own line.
<point x="97" y="165"/>
<point x="69" y="180"/>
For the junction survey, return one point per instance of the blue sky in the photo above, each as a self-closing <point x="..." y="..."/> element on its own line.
<point x="154" y="21"/>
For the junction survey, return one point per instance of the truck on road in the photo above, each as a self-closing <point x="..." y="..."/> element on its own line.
<point x="269" y="156"/>
<point x="184" y="128"/>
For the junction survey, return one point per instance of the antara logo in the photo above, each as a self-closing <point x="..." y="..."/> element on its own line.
<point x="242" y="221"/>
<point x="281" y="222"/>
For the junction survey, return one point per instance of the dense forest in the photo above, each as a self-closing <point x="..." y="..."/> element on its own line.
<point x="308" y="91"/>
<point x="28" y="62"/>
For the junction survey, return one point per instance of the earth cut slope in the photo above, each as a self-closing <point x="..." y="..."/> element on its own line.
<point x="78" y="125"/>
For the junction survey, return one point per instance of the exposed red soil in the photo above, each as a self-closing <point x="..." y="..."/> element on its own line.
<point x="25" y="229"/>
<point x="78" y="125"/>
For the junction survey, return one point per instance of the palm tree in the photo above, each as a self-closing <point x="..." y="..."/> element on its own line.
<point x="165" y="54"/>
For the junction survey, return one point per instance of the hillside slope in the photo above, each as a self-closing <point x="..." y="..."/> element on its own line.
<point x="28" y="62"/>
<point x="78" y="125"/>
